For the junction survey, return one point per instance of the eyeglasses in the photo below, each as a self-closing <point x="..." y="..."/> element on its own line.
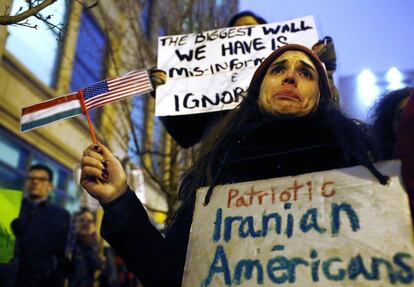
<point x="33" y="178"/>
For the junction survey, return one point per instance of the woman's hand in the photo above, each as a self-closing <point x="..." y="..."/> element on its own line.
<point x="158" y="77"/>
<point x="102" y="174"/>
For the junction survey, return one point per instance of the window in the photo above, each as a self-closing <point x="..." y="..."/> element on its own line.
<point x="89" y="63"/>
<point x="37" y="49"/>
<point x="144" y="17"/>
<point x="16" y="157"/>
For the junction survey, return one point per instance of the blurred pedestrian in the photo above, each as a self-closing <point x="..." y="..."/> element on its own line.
<point x="85" y="260"/>
<point x="41" y="232"/>
<point x="91" y="264"/>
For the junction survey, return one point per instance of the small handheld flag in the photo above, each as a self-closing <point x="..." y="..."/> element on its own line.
<point x="77" y="103"/>
<point x="104" y="92"/>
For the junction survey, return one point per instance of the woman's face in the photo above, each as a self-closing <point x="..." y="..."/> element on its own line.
<point x="85" y="224"/>
<point x="290" y="87"/>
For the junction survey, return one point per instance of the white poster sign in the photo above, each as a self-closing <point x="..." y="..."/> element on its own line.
<point x="210" y="71"/>
<point x="331" y="228"/>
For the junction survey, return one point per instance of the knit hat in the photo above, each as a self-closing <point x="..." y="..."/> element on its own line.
<point x="324" y="87"/>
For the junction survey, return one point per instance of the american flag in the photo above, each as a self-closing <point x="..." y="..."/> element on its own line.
<point x="104" y="92"/>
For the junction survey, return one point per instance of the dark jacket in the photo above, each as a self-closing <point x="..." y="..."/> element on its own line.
<point x="85" y="262"/>
<point x="188" y="130"/>
<point x="262" y="150"/>
<point x="41" y="234"/>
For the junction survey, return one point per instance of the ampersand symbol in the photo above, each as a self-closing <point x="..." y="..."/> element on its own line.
<point x="233" y="78"/>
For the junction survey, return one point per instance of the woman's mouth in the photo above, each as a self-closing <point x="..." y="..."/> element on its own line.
<point x="287" y="95"/>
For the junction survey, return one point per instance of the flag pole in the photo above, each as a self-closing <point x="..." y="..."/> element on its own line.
<point x="85" y="112"/>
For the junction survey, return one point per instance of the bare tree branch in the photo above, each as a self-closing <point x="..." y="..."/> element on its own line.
<point x="59" y="28"/>
<point x="32" y="11"/>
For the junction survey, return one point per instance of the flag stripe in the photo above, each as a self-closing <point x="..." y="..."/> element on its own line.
<point x="47" y="112"/>
<point x="103" y="100"/>
<point x="129" y="76"/>
<point x="50" y="103"/>
<point x="55" y="117"/>
<point x="118" y="92"/>
<point x="126" y="86"/>
<point x="117" y="85"/>
<point x="129" y="79"/>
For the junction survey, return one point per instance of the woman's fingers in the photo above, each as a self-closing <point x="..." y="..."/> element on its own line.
<point x="92" y="162"/>
<point x="105" y="152"/>
<point x="158" y="77"/>
<point x="94" y="154"/>
<point x="93" y="172"/>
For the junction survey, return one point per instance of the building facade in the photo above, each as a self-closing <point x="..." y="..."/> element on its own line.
<point x="74" y="46"/>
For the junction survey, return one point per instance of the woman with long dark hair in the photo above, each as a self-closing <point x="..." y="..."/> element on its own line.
<point x="288" y="124"/>
<point x="393" y="133"/>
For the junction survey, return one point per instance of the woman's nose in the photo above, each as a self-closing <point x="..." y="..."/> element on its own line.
<point x="290" y="78"/>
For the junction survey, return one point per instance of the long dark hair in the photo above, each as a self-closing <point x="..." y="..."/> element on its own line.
<point x="382" y="117"/>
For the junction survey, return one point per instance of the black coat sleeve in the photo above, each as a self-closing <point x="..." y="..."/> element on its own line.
<point x="62" y="234"/>
<point x="155" y="260"/>
<point x="186" y="130"/>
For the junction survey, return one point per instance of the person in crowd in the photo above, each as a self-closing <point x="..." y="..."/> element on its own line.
<point x="385" y="117"/>
<point x="85" y="260"/>
<point x="288" y="124"/>
<point x="200" y="124"/>
<point x="90" y="264"/>
<point x="393" y="130"/>
<point x="245" y="18"/>
<point x="325" y="49"/>
<point x="41" y="232"/>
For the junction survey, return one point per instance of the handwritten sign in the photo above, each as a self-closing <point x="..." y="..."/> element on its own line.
<point x="10" y="202"/>
<point x="332" y="228"/>
<point x="210" y="71"/>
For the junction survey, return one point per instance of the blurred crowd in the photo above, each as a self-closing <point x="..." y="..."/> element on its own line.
<point x="55" y="249"/>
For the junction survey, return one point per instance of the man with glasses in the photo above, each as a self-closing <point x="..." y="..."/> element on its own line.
<point x="41" y="233"/>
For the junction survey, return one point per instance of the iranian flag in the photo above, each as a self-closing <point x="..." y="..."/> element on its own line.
<point x="53" y="110"/>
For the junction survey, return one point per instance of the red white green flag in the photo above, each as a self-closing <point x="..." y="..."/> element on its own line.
<point x="50" y="111"/>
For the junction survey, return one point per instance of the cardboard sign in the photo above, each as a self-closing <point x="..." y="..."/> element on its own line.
<point x="332" y="228"/>
<point x="10" y="202"/>
<point x="210" y="71"/>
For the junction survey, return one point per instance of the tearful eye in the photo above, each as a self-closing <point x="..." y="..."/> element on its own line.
<point x="277" y="70"/>
<point x="306" y="74"/>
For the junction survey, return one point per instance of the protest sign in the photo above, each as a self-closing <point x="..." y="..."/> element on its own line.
<point x="210" y="71"/>
<point x="331" y="228"/>
<point x="10" y="202"/>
